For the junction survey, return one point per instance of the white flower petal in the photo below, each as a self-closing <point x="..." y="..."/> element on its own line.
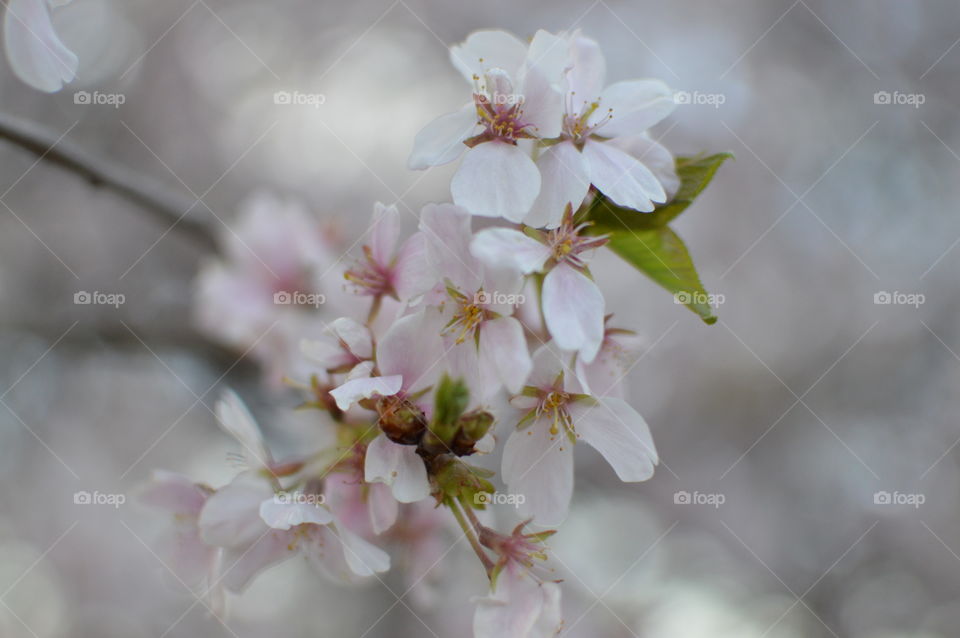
<point x="355" y="335"/>
<point x="621" y="177"/>
<point x="242" y="564"/>
<point x="509" y="248"/>
<point x="543" y="71"/>
<point x="654" y="156"/>
<point x="540" y="467"/>
<point x="547" y="366"/>
<point x="365" y="388"/>
<point x="503" y="347"/>
<point x="636" y="106"/>
<point x="488" y="49"/>
<point x="235" y="419"/>
<point x="565" y="180"/>
<point x="588" y="73"/>
<point x="398" y="466"/>
<point x="231" y="516"/>
<point x="35" y="51"/>
<point x="363" y="558"/>
<point x="282" y="514"/>
<point x="496" y="179"/>
<point x="619" y="433"/>
<point x="573" y="308"/>
<point x="441" y="141"/>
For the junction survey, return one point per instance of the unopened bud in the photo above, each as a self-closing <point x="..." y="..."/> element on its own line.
<point x="403" y="423"/>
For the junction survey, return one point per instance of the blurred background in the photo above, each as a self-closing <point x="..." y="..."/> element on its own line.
<point x="785" y="423"/>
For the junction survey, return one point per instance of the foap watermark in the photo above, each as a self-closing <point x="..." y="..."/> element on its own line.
<point x="899" y="498"/>
<point x="84" y="497"/>
<point x="696" y="98"/>
<point x="685" y="298"/>
<point x="296" y="98"/>
<point x="499" y="498"/>
<point x="714" y="499"/>
<point x="493" y="297"/>
<point x="299" y="298"/>
<point x="897" y="298"/>
<point x="298" y="498"/>
<point x="96" y="98"/>
<point x="899" y="99"/>
<point x="97" y="298"/>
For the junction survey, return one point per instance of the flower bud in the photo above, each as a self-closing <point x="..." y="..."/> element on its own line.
<point x="403" y="423"/>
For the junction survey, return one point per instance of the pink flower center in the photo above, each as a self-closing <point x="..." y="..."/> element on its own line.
<point x="499" y="112"/>
<point x="369" y="277"/>
<point x="567" y="244"/>
<point x="575" y="124"/>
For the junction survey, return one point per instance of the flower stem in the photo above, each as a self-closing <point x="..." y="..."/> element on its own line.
<point x="469" y="533"/>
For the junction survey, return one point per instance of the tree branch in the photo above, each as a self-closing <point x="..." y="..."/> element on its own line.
<point x="151" y="195"/>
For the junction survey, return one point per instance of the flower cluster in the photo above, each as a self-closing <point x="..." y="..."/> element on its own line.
<point x="452" y="344"/>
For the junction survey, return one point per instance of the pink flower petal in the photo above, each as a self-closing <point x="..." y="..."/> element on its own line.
<point x="384" y="232"/>
<point x="573" y="308"/>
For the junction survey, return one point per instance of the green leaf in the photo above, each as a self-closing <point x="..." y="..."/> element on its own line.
<point x="694" y="172"/>
<point x="646" y="241"/>
<point x="661" y="255"/>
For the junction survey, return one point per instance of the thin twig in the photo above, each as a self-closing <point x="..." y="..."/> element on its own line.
<point x="151" y="195"/>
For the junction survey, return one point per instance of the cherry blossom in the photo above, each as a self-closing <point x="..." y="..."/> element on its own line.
<point x="573" y="306"/>
<point x="603" y="141"/>
<point x="386" y="270"/>
<point x="181" y="546"/>
<point x="408" y="362"/>
<point x="258" y="528"/>
<point x="268" y="289"/>
<point x="515" y="98"/>
<point x="521" y="604"/>
<point x="604" y="376"/>
<point x="487" y="344"/>
<point x="538" y="455"/>
<point x="36" y="53"/>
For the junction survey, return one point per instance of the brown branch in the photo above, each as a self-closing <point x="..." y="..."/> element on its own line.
<point x="151" y="195"/>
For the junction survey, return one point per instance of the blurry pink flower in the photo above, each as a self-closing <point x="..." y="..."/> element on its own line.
<point x="35" y="51"/>
<point x="193" y="561"/>
<point x="538" y="456"/>
<point x="573" y="306"/>
<point x="258" y="528"/>
<point x="603" y="141"/>
<point x="385" y="269"/>
<point x="266" y="292"/>
<point x="516" y="97"/>
<point x="488" y="346"/>
<point x="519" y="606"/>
